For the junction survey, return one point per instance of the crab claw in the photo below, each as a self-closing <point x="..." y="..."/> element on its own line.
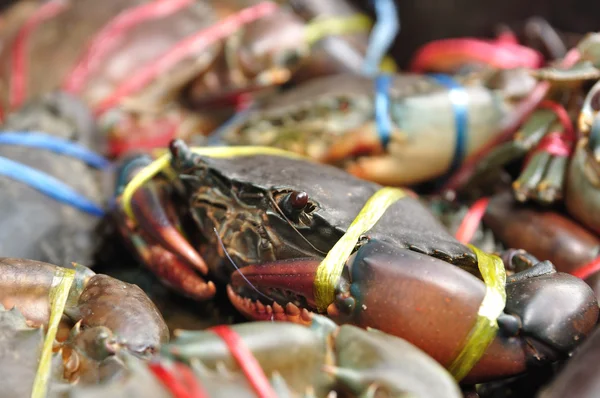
<point x="555" y="310"/>
<point x="157" y="240"/>
<point x="428" y="302"/>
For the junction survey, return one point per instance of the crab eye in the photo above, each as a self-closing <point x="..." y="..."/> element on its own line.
<point x="298" y="200"/>
<point x="293" y="203"/>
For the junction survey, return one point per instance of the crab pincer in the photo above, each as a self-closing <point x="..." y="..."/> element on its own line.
<point x="156" y="236"/>
<point x="433" y="305"/>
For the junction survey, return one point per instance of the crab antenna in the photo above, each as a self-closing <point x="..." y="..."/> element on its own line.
<point x="238" y="268"/>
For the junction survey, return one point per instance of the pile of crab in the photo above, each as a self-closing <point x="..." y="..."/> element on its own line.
<point x="271" y="209"/>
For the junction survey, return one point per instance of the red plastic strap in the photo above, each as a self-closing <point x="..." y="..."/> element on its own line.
<point x="469" y="224"/>
<point x="500" y="54"/>
<point x="246" y="360"/>
<point x="18" y="56"/>
<point x="555" y="143"/>
<point x="184" y="386"/>
<point x="587" y="270"/>
<point x="563" y="118"/>
<point x="105" y="40"/>
<point x="189" y="45"/>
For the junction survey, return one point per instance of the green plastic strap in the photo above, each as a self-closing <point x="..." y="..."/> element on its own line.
<point x="483" y="332"/>
<point x="331" y="267"/>
<point x="163" y="161"/>
<point x="59" y="292"/>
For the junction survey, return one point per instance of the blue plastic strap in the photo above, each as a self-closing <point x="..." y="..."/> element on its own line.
<point x="459" y="99"/>
<point x="382" y="108"/>
<point x="48" y="185"/>
<point x="382" y="36"/>
<point x="54" y="144"/>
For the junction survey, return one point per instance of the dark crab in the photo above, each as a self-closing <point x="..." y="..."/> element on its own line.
<point x="277" y="217"/>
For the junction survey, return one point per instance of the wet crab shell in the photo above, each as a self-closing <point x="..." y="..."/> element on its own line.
<point x="335" y="199"/>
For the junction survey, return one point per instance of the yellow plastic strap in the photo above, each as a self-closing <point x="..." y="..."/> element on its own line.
<point x="319" y="28"/>
<point x="216" y="152"/>
<point x="485" y="328"/>
<point x="331" y="267"/>
<point x="59" y="292"/>
<point x="388" y="65"/>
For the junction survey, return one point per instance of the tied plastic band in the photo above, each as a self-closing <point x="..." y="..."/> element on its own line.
<point x="382" y="108"/>
<point x="163" y="161"/>
<point x="330" y="269"/>
<point x="483" y="332"/>
<point x="59" y="292"/>
<point x="246" y="361"/>
<point x="472" y="219"/>
<point x="320" y="28"/>
<point x="382" y="36"/>
<point x="48" y="185"/>
<point x="185" y="48"/>
<point x="556" y="144"/>
<point x="54" y="144"/>
<point x="19" y="62"/>
<point x="112" y="33"/>
<point x="178" y="379"/>
<point x="459" y="99"/>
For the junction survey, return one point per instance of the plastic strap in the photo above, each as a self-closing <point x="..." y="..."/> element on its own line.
<point x="54" y="144"/>
<point x="587" y="270"/>
<point x="110" y="35"/>
<point x="563" y="117"/>
<point x="469" y="224"/>
<point x="191" y="44"/>
<point x="246" y="361"/>
<point x="445" y="53"/>
<point x="554" y="143"/>
<point x="217" y="152"/>
<point x="382" y="108"/>
<point x="48" y="185"/>
<point x="330" y="269"/>
<point x="483" y="332"/>
<point x="319" y="28"/>
<point x="186" y="386"/>
<point x="387" y="27"/>
<point x="59" y="292"/>
<point x="459" y="99"/>
<point x="18" y="57"/>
